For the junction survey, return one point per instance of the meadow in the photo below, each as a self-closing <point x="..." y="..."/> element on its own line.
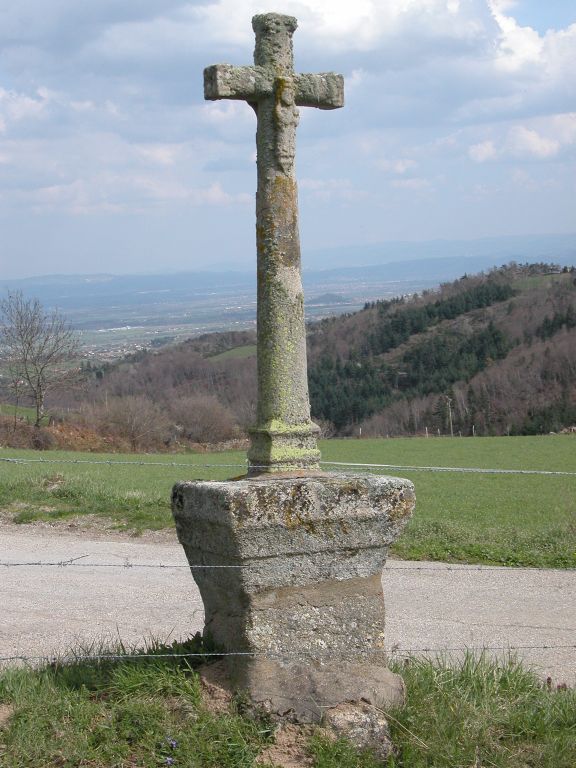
<point x="151" y="712"/>
<point x="506" y="519"/>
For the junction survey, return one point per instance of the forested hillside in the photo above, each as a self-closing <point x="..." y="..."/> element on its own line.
<point x="492" y="353"/>
<point x="489" y="354"/>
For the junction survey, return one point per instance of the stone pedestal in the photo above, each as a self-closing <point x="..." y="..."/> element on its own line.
<point x="306" y="598"/>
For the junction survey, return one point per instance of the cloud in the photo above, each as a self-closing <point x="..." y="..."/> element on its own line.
<point x="483" y="151"/>
<point x="331" y="189"/>
<point x="415" y="184"/>
<point x="160" y="154"/>
<point x="135" y="193"/>
<point x="517" y="46"/>
<point x="565" y="127"/>
<point x="19" y="107"/>
<point x="541" y="138"/>
<point x="526" y="142"/>
<point x="360" y="26"/>
<point x="400" y="166"/>
<point x="102" y="110"/>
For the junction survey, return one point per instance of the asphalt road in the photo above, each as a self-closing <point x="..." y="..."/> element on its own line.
<point x="46" y="610"/>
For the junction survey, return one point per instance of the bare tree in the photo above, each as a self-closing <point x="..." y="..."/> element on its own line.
<point x="37" y="348"/>
<point x="203" y="418"/>
<point x="134" y="417"/>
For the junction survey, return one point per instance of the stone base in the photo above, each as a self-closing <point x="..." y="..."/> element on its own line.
<point x="305" y="596"/>
<point x="304" y="689"/>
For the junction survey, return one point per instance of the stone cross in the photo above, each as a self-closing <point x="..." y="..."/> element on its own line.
<point x="284" y="437"/>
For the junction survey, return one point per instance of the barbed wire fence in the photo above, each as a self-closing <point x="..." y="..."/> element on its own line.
<point x="343" y="464"/>
<point x="395" y="651"/>
<point x="67" y="658"/>
<point x="73" y="563"/>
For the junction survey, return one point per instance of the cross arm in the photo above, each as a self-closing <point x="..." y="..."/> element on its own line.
<point x="224" y="81"/>
<point x="325" y="90"/>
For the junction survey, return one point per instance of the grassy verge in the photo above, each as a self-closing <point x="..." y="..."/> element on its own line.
<point x="478" y="714"/>
<point x="143" y="713"/>
<point x="499" y="519"/>
<point x="150" y="713"/>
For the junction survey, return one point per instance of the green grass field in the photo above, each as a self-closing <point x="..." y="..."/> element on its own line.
<point x="462" y="517"/>
<point x="150" y="712"/>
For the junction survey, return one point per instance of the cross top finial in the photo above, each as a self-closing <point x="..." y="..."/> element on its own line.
<point x="274" y="40"/>
<point x="274" y="22"/>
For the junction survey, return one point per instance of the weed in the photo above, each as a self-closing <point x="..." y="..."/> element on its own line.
<point x="482" y="712"/>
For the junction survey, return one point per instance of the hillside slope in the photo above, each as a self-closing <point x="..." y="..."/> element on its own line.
<point x="487" y="354"/>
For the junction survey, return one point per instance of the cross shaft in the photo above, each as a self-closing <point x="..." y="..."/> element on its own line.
<point x="284" y="437"/>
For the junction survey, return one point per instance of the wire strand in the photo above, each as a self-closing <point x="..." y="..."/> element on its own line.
<point x="190" y="465"/>
<point x="440" y="567"/>
<point x="72" y="657"/>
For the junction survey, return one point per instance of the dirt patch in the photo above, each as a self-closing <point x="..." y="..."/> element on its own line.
<point x="6" y="712"/>
<point x="289" y="748"/>
<point x="216" y="695"/>
<point x="93" y="525"/>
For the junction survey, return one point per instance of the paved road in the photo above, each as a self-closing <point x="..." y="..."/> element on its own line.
<point x="47" y="610"/>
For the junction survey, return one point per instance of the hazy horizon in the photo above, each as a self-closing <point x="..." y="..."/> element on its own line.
<point x="374" y="255"/>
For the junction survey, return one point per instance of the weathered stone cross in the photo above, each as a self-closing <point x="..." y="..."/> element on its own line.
<point x="284" y="437"/>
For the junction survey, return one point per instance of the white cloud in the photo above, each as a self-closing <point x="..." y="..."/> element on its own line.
<point x="168" y="190"/>
<point x="355" y="79"/>
<point x="483" y="151"/>
<point x="338" y="24"/>
<point x="226" y="113"/>
<point x="113" y="193"/>
<point x="524" y="141"/>
<point x="517" y="45"/>
<point x="16" y="107"/>
<point x="161" y="154"/>
<point x="400" y="166"/>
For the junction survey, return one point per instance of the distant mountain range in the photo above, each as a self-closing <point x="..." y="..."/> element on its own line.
<point x="122" y="313"/>
<point x="493" y="251"/>
<point x="402" y="262"/>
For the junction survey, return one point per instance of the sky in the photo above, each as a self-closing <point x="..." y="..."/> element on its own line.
<point x="459" y="123"/>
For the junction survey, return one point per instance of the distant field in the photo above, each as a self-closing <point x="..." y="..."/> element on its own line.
<point x="508" y="519"/>
<point x="22" y="412"/>
<point x="237" y="352"/>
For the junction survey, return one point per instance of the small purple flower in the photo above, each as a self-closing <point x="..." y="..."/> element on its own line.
<point x="172" y="743"/>
<point x="169" y="761"/>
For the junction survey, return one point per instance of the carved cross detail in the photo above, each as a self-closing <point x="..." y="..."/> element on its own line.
<point x="284" y="437"/>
